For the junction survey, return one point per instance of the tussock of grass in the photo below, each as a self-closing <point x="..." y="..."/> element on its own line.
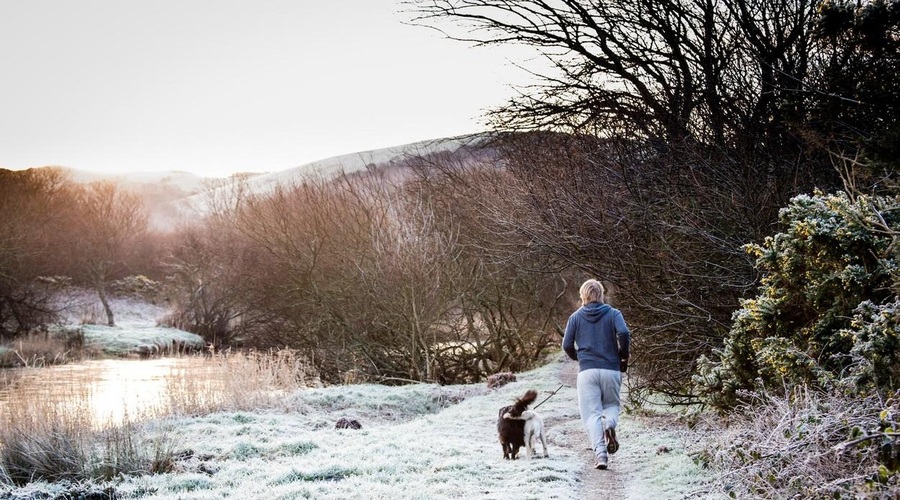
<point x="42" y="439"/>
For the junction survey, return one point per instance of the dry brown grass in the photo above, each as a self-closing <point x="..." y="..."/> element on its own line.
<point x="232" y="380"/>
<point x="52" y="440"/>
<point x="41" y="349"/>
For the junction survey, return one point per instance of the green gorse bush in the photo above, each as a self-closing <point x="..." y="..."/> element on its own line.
<point x="826" y="311"/>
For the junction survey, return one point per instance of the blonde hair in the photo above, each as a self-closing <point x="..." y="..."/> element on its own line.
<point x="592" y="291"/>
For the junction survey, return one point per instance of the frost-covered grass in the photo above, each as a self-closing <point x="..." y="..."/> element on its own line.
<point x="808" y="444"/>
<point x="56" y="347"/>
<point x="421" y="441"/>
<point x="417" y="441"/>
<point x="142" y="340"/>
<point x="135" y="331"/>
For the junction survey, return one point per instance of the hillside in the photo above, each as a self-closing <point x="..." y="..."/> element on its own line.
<point x="175" y="196"/>
<point x="386" y="158"/>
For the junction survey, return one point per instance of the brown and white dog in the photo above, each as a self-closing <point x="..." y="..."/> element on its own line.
<point x="512" y="430"/>
<point x="533" y="430"/>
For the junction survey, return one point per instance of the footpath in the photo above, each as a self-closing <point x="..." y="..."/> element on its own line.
<point x="653" y="460"/>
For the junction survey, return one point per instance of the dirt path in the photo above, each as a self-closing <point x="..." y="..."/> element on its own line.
<point x="609" y="483"/>
<point x="654" y="460"/>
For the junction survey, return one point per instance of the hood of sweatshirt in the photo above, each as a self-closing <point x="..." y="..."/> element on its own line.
<point x="594" y="311"/>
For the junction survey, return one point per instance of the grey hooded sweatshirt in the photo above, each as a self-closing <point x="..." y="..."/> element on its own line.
<point x="599" y="333"/>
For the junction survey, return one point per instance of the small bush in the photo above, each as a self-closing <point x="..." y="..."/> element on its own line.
<point x="138" y="286"/>
<point x="810" y="360"/>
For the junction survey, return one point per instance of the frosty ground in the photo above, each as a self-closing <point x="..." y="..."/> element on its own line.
<point x="417" y="441"/>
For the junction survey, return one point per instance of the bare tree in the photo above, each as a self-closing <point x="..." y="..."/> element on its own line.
<point x="670" y="70"/>
<point x="105" y="218"/>
<point x="32" y="208"/>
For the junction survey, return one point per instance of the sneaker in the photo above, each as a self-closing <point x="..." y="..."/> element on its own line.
<point x="612" y="444"/>
<point x="602" y="462"/>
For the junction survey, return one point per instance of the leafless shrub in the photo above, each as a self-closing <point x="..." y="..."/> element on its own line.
<point x="369" y="274"/>
<point x="347" y="423"/>
<point x="33" y="204"/>
<point x="208" y="266"/>
<point x="809" y="445"/>
<point x="511" y="298"/>
<point x="500" y="379"/>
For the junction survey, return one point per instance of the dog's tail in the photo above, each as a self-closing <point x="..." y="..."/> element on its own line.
<point x="528" y="398"/>
<point x="523" y="402"/>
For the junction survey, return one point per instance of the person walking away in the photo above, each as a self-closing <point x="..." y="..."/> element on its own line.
<point x="598" y="338"/>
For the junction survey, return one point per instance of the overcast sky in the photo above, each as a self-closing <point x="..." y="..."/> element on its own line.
<point x="221" y="86"/>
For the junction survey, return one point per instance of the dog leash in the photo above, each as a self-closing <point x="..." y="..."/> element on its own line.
<point x="548" y="397"/>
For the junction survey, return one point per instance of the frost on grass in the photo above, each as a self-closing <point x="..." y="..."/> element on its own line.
<point x="418" y="441"/>
<point x="367" y="402"/>
<point x="140" y="339"/>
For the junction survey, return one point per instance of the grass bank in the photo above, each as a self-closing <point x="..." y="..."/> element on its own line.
<point x="67" y="344"/>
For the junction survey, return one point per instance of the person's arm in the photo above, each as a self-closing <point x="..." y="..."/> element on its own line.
<point x="568" y="343"/>
<point x="623" y="337"/>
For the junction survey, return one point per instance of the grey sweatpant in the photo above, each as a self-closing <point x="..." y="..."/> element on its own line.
<point x="598" y="401"/>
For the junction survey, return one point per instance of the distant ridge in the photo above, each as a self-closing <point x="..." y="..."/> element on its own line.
<point x="175" y="196"/>
<point x="347" y="163"/>
<point x="353" y="162"/>
<point x="185" y="182"/>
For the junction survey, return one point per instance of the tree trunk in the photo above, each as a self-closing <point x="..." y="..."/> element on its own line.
<point x="101" y="291"/>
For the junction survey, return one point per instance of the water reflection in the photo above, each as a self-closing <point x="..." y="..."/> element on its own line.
<point x="112" y="389"/>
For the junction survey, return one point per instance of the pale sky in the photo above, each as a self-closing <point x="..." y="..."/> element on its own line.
<point x="215" y="87"/>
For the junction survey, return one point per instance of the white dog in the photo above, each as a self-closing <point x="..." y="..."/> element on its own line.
<point x="534" y="429"/>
